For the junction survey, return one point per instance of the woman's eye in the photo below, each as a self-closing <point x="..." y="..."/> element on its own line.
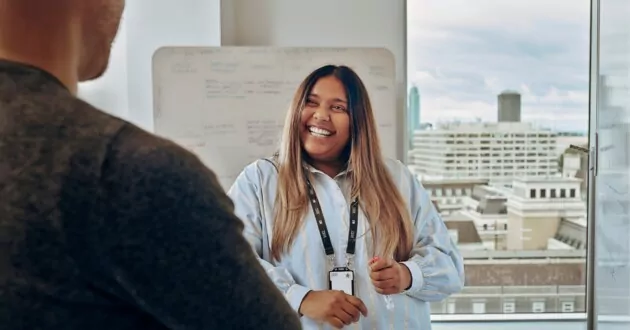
<point x="338" y="108"/>
<point x="311" y="103"/>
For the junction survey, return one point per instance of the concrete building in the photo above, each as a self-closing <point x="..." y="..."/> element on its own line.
<point x="536" y="207"/>
<point x="464" y="233"/>
<point x="449" y="194"/>
<point x="486" y="208"/>
<point x="571" y="235"/>
<point x="534" y="214"/>
<point x="413" y="111"/>
<point x="507" y="282"/>
<point x="497" y="152"/>
<point x="524" y="245"/>
<point x="509" y="106"/>
<point x="565" y="139"/>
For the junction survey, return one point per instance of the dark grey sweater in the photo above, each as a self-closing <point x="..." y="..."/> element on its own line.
<point x="105" y="226"/>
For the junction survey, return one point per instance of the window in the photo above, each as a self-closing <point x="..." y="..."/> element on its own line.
<point x="479" y="307"/>
<point x="509" y="307"/>
<point x="454" y="233"/>
<point x="567" y="306"/>
<point x="538" y="307"/>
<point x="450" y="307"/>
<point x="501" y="102"/>
<point x="572" y="193"/>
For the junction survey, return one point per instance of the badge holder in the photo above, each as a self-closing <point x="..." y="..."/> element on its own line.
<point x="342" y="279"/>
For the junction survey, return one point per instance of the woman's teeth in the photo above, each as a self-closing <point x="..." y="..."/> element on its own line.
<point x="319" y="131"/>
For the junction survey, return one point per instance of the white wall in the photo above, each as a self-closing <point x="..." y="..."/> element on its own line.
<point x="152" y="24"/>
<point x="322" y="23"/>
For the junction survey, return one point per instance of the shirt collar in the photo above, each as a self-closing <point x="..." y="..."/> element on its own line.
<point x="312" y="169"/>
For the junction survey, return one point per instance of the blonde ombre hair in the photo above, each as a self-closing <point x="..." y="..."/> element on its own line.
<point x="380" y="200"/>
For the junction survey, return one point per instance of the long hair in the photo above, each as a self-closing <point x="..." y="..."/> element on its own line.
<point x="380" y="200"/>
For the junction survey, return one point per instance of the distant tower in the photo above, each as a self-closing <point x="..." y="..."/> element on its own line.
<point x="413" y="111"/>
<point x="509" y="106"/>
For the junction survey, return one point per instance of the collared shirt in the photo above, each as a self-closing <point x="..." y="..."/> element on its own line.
<point x="435" y="264"/>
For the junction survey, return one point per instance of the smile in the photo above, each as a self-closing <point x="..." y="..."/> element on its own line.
<point x="320" y="132"/>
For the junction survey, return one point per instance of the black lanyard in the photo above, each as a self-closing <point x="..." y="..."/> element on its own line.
<point x="321" y="223"/>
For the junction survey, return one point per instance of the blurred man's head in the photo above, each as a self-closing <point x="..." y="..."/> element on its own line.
<point x="69" y="38"/>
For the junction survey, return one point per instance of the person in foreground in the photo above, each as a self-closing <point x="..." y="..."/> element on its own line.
<point x="377" y="223"/>
<point x="102" y="225"/>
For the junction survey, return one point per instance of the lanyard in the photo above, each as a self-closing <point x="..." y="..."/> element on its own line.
<point x="323" y="230"/>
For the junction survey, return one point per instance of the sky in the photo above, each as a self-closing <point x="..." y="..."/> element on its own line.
<point x="463" y="53"/>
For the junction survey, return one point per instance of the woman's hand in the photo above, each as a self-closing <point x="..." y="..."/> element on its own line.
<point x="389" y="276"/>
<point x="333" y="307"/>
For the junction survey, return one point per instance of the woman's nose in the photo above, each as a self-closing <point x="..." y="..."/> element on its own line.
<point x="322" y="114"/>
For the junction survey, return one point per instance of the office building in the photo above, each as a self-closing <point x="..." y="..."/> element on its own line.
<point x="524" y="249"/>
<point x="509" y="106"/>
<point x="534" y="214"/>
<point x="413" y="111"/>
<point x="477" y="151"/>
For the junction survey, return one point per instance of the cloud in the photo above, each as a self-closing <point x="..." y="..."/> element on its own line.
<point x="463" y="53"/>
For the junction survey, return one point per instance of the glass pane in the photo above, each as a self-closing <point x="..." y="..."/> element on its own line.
<point x="498" y="90"/>
<point x="612" y="241"/>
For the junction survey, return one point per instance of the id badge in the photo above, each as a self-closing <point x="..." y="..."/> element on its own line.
<point x="342" y="279"/>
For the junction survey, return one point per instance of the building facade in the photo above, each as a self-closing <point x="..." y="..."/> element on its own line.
<point x="492" y="151"/>
<point x="508" y="282"/>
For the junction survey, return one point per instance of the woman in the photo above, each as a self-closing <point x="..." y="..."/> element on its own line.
<point x="350" y="238"/>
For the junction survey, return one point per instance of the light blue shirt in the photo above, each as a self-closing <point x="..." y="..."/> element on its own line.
<point x="435" y="264"/>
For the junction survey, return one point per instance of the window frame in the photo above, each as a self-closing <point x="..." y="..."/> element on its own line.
<point x="543" y="193"/>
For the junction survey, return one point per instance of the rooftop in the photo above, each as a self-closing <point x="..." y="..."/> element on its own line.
<point x="453" y="182"/>
<point x="578" y="221"/>
<point x="485" y="127"/>
<point x="545" y="273"/>
<point x="466" y="231"/>
<point x="546" y="180"/>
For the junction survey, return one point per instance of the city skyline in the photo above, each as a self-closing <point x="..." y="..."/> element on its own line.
<point x="461" y="57"/>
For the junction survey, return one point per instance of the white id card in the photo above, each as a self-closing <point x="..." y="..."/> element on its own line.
<point x="342" y="279"/>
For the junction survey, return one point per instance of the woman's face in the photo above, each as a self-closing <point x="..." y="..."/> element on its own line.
<point x="325" y="125"/>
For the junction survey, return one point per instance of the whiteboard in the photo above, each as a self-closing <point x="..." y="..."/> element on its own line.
<point x="228" y="104"/>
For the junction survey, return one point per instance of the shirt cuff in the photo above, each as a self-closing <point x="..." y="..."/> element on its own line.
<point x="417" y="279"/>
<point x="295" y="295"/>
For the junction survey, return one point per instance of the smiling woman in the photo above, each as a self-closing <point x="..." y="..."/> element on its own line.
<point x="347" y="235"/>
